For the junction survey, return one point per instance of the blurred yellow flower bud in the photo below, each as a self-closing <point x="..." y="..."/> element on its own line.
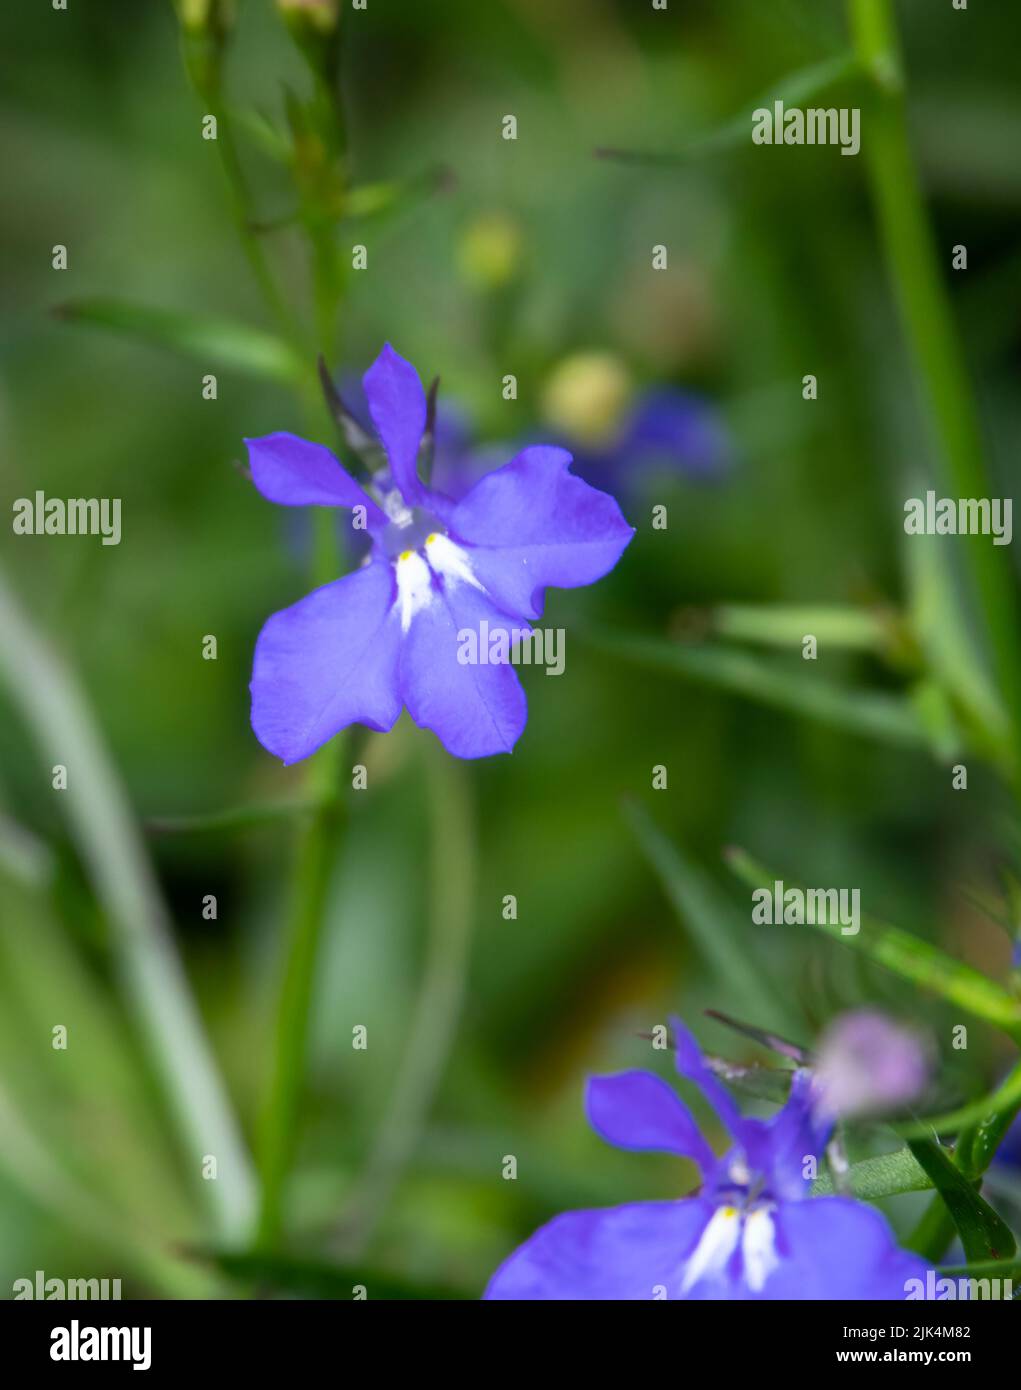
<point x="489" y="251"/>
<point x="211" y="17"/>
<point x="205" y="25"/>
<point x="586" y="396"/>
<point x="321" y="15"/>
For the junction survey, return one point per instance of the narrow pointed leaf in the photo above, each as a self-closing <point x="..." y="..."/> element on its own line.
<point x="214" y="342"/>
<point x="908" y="956"/>
<point x="983" y="1233"/>
<point x="723" y="941"/>
<point x="874" y="714"/>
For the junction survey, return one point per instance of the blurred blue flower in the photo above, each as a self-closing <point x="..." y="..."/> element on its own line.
<point x="666" y="432"/>
<point x="751" y="1232"/>
<point x="389" y="635"/>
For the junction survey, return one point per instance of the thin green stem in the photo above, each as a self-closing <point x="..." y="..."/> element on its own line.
<point x="914" y="271"/>
<point x="438" y="1006"/>
<point x="316" y="852"/>
<point x="244" y="219"/>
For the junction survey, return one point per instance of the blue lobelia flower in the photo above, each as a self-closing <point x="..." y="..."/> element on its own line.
<point x="390" y="634"/>
<point x="751" y="1232"/>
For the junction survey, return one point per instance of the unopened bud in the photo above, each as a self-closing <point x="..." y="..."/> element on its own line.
<point x="319" y="15"/>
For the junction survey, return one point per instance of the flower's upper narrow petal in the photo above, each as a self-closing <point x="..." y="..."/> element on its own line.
<point x="636" y="1110"/>
<point x="612" y="1253"/>
<point x="297" y="473"/>
<point x="691" y="1065"/>
<point x="475" y="706"/>
<point x="532" y="523"/>
<point x="328" y="661"/>
<point x="397" y="406"/>
<point x="797" y="1132"/>
<point x="834" y="1248"/>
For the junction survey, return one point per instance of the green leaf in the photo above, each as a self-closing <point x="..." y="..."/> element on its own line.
<point x="795" y="89"/>
<point x="908" y="956"/>
<point x="786" y="625"/>
<point x="983" y="1234"/>
<point x="214" y="342"/>
<point x="722" y="938"/>
<point x="948" y="642"/>
<point x="886" y="1175"/>
<point x="986" y="1269"/>
<point x="874" y="714"/>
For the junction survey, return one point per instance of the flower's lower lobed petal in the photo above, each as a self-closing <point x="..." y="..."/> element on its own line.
<point x="474" y="705"/>
<point x="297" y="473"/>
<point x="622" y="1253"/>
<point x="532" y="524"/>
<point x="328" y="661"/>
<point x="837" y="1248"/>
<point x="637" y="1110"/>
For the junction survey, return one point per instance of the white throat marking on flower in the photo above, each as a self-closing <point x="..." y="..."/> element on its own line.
<point x="414" y="586"/>
<point x="758" y="1247"/>
<point x="715" y="1247"/>
<point x="450" y="560"/>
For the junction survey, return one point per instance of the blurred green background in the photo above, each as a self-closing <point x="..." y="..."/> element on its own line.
<point x="521" y="255"/>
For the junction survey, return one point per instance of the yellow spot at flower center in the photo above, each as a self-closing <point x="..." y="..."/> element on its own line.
<point x="406" y="554"/>
<point x="431" y="537"/>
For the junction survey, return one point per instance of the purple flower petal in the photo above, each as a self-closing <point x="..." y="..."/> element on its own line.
<point x="531" y="524"/>
<point x="475" y="710"/>
<point x="328" y="661"/>
<point x="693" y="1068"/>
<point x="797" y="1132"/>
<point x="621" y="1253"/>
<point x="835" y="1247"/>
<point x="297" y="473"/>
<point x="397" y="405"/>
<point x="636" y="1110"/>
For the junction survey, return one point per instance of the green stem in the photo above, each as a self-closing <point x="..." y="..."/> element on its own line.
<point x="244" y="219"/>
<point x="914" y="270"/>
<point x="316" y="852"/>
<point x="438" y="1006"/>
